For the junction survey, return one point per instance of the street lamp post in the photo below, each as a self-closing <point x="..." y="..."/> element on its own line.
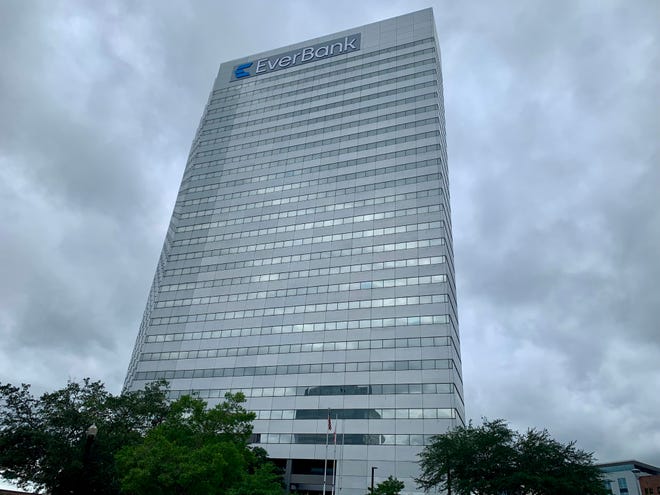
<point x="92" y="431"/>
<point x="91" y="435"/>
<point x="373" y="468"/>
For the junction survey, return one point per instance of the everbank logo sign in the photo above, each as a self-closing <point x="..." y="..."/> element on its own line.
<point x="308" y="54"/>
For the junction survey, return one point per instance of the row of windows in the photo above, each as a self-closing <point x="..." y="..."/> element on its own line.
<point x="314" y="78"/>
<point x="328" y="180"/>
<point x="360" y="234"/>
<point x="336" y="253"/>
<point x="232" y="107"/>
<point x="299" y="369"/>
<point x="344" y="345"/>
<point x="296" y="227"/>
<point x="322" y="390"/>
<point x="306" y="134"/>
<point x="306" y="146"/>
<point x="301" y="309"/>
<point x="306" y="290"/>
<point x="387" y="413"/>
<point x="315" y="272"/>
<point x="311" y="211"/>
<point x="243" y="85"/>
<point x="300" y="123"/>
<point x="404" y="321"/>
<point x="376" y="200"/>
<point x="347" y="163"/>
<point x="326" y="106"/>
<point x="339" y="139"/>
<point x="325" y="117"/>
<point x="343" y="439"/>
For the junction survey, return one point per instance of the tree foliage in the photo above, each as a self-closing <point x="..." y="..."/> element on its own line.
<point x="196" y="450"/>
<point x="391" y="486"/>
<point x="144" y="443"/>
<point x="43" y="440"/>
<point x="492" y="459"/>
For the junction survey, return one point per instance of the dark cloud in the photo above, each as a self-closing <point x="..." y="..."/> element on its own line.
<point x="553" y="162"/>
<point x="553" y="146"/>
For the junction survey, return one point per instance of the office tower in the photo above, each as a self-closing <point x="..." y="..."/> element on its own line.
<point x="309" y="260"/>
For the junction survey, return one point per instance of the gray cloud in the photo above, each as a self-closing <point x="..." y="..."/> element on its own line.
<point x="553" y="146"/>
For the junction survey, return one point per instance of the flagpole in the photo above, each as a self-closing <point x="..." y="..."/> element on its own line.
<point x="341" y="455"/>
<point x="325" y="463"/>
<point x="334" y="458"/>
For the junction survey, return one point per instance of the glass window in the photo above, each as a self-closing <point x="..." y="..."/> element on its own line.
<point x="623" y="486"/>
<point x="389" y="389"/>
<point x="416" y="439"/>
<point x="415" y="388"/>
<point x="388" y="439"/>
<point x="402" y="439"/>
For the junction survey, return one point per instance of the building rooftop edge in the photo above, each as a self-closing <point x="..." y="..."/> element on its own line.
<point x="321" y="38"/>
<point x="648" y="467"/>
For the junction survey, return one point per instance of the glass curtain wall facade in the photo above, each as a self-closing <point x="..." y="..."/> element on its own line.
<point x="309" y="262"/>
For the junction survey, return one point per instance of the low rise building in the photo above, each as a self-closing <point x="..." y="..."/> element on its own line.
<point x="631" y="477"/>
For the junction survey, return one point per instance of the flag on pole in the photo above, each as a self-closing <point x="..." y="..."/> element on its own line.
<point x="325" y="463"/>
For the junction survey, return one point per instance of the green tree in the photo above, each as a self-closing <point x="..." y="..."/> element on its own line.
<point x="391" y="486"/>
<point x="43" y="440"/>
<point x="492" y="459"/>
<point x="546" y="466"/>
<point x="198" y="451"/>
<point x="144" y="444"/>
<point x="263" y="480"/>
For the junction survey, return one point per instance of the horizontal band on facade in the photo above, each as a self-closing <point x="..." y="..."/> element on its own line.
<point x="301" y="327"/>
<point x="318" y="255"/>
<point x="344" y="413"/>
<point x="321" y="390"/>
<point x="310" y="289"/>
<point x="297" y="369"/>
<point x="196" y="165"/>
<point x="344" y="345"/>
<point x="304" y="308"/>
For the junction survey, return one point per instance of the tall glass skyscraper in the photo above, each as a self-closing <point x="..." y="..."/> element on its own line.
<point x="309" y="258"/>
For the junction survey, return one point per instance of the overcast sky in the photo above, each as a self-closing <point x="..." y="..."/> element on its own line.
<point x="553" y="136"/>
